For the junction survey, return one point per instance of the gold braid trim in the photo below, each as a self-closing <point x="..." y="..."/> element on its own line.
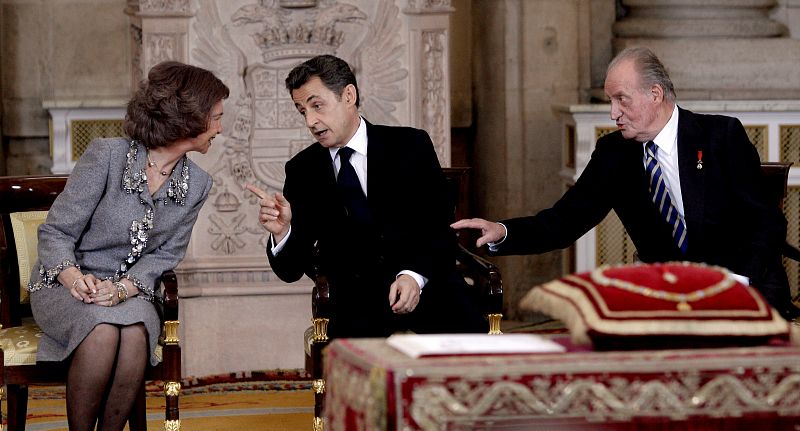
<point x="570" y="305"/>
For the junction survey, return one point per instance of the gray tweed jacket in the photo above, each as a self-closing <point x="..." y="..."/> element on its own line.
<point x="91" y="223"/>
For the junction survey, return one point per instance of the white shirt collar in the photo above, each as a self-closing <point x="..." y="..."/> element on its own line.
<point x="667" y="138"/>
<point x="358" y="142"/>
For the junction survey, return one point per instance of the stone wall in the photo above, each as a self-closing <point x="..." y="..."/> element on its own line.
<point x="528" y="56"/>
<point x="65" y="49"/>
<point x="716" y="49"/>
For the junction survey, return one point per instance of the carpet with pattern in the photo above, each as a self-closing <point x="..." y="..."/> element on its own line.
<point x="278" y="400"/>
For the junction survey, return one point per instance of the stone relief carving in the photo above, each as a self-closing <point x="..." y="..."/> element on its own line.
<point x="149" y="6"/>
<point x="161" y="47"/>
<point x="228" y="278"/>
<point x="297" y="3"/>
<point x="137" y="73"/>
<point x="290" y="35"/>
<point x="423" y="6"/>
<point x="227" y="233"/>
<point x="252" y="49"/>
<point x="433" y="94"/>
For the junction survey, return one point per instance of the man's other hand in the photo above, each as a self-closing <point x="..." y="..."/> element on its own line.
<point x="490" y="231"/>
<point x="404" y="294"/>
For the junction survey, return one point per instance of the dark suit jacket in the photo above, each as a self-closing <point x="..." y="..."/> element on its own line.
<point x="411" y="209"/>
<point x="729" y="220"/>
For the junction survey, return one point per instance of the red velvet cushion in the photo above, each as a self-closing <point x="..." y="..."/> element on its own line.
<point x="658" y="306"/>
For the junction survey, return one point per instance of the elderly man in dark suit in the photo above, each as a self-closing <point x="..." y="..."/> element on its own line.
<point x="685" y="186"/>
<point x="374" y="202"/>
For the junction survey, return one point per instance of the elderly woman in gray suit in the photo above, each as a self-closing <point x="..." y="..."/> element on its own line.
<point x="125" y="216"/>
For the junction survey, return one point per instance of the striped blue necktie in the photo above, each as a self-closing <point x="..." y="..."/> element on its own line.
<point x="659" y="193"/>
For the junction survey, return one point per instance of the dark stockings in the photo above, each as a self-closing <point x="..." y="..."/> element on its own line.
<point x="110" y="364"/>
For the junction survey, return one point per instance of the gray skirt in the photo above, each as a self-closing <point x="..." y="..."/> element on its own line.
<point x="66" y="321"/>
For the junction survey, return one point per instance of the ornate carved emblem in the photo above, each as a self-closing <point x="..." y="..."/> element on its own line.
<point x="307" y="32"/>
<point x="252" y="49"/>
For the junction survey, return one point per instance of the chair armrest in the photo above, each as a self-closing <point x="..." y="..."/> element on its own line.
<point x="321" y="298"/>
<point x="484" y="275"/>
<point x="170" y="282"/>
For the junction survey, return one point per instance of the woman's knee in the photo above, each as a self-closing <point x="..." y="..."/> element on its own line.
<point x="133" y="333"/>
<point x="104" y="333"/>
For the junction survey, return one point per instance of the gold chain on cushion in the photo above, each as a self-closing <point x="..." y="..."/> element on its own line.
<point x="683" y="299"/>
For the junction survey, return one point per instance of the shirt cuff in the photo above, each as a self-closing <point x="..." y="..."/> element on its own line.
<point x="276" y="248"/>
<point x="741" y="278"/>
<point x="421" y="281"/>
<point x="493" y="245"/>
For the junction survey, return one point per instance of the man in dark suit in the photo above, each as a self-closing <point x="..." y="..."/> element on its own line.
<point x="687" y="187"/>
<point x="374" y="202"/>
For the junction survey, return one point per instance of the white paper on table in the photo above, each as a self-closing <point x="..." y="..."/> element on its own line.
<point x="417" y="345"/>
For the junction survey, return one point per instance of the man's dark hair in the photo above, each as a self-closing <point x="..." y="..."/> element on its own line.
<point x="334" y="73"/>
<point x="174" y="103"/>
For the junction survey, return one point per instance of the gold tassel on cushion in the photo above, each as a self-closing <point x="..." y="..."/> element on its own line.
<point x="548" y="300"/>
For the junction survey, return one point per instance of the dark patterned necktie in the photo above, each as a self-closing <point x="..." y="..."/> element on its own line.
<point x="350" y="188"/>
<point x="659" y="193"/>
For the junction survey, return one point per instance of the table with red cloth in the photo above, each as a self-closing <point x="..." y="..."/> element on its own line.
<point x="372" y="386"/>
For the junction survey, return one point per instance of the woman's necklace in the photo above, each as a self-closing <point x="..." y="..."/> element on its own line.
<point x="151" y="163"/>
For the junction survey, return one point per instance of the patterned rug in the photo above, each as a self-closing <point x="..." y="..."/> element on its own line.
<point x="547" y="326"/>
<point x="259" y="400"/>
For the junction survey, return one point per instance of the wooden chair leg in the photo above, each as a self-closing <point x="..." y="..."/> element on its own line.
<point x="319" y="404"/>
<point x="137" y="420"/>
<point x="172" y="420"/>
<point x="17" y="406"/>
<point x="319" y="341"/>
<point x="172" y="384"/>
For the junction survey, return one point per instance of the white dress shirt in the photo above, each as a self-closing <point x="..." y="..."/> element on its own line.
<point x="667" y="155"/>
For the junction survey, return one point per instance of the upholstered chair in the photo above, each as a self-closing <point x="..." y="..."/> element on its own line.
<point x="24" y="202"/>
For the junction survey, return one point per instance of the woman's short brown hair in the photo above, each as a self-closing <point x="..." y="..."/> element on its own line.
<point x="174" y="103"/>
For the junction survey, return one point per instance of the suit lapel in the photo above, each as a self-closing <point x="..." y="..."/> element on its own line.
<point x="376" y="162"/>
<point x="690" y="142"/>
<point x="323" y="166"/>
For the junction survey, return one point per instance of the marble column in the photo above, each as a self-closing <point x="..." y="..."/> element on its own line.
<point x="529" y="55"/>
<point x="698" y="18"/>
<point x="788" y="13"/>
<point x="428" y="30"/>
<point x="159" y="31"/>
<point x="716" y="49"/>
